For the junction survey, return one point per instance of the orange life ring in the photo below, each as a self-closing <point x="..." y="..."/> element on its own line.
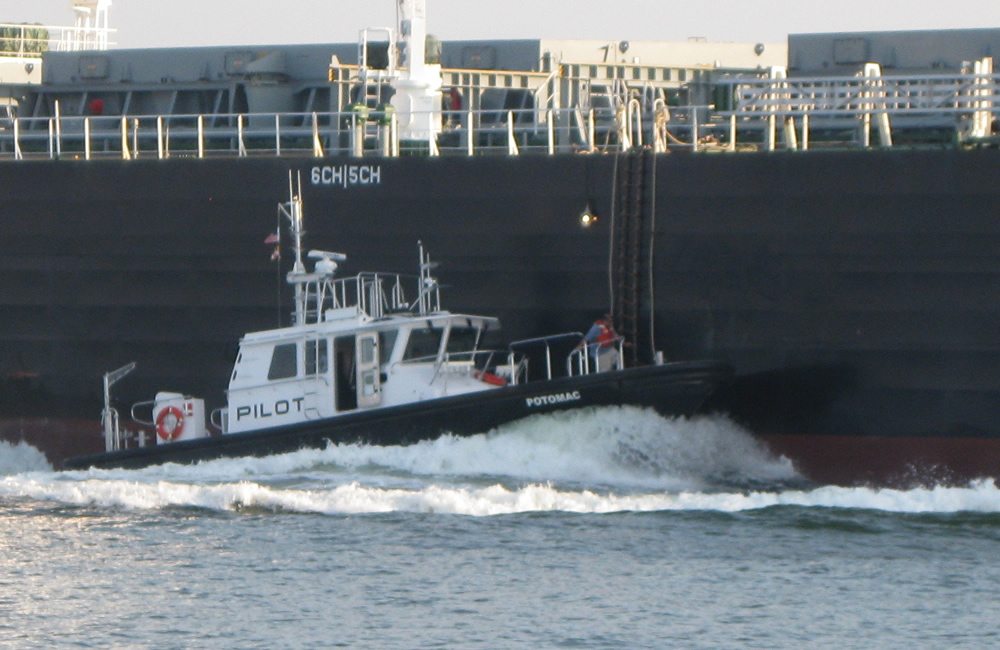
<point x="165" y="428"/>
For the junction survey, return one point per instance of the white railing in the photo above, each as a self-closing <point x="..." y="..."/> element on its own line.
<point x="583" y="361"/>
<point x="964" y="105"/>
<point x="365" y="294"/>
<point x="852" y="96"/>
<point x="944" y="102"/>
<point x="511" y="132"/>
<point x="31" y="40"/>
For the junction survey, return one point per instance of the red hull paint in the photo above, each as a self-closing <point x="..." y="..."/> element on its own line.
<point x="889" y="461"/>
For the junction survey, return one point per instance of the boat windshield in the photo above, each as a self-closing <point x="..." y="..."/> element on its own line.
<point x="424" y="343"/>
<point x="386" y="343"/>
<point x="462" y="339"/>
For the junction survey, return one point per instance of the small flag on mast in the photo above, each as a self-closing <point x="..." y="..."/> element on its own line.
<point x="274" y="239"/>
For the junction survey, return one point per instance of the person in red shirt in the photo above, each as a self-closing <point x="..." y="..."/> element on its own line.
<point x="602" y="343"/>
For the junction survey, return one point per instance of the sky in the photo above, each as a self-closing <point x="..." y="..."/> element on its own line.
<point x="165" y="23"/>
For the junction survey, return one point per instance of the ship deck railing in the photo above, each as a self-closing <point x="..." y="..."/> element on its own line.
<point x="497" y="132"/>
<point x="959" y="107"/>
<point x="25" y="40"/>
<point x="749" y="113"/>
<point x="847" y="96"/>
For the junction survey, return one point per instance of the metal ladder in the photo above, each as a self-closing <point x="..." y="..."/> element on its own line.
<point x="626" y="267"/>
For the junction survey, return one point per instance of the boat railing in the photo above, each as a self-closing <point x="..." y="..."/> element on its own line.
<point x="501" y="367"/>
<point x="146" y="405"/>
<point x="581" y="362"/>
<point x="371" y="295"/>
<point x="460" y="363"/>
<point x="114" y="436"/>
<point x="547" y="343"/>
<point x="219" y="419"/>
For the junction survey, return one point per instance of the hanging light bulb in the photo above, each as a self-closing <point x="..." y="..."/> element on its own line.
<point x="588" y="217"/>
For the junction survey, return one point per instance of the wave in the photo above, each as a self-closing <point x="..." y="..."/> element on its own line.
<point x="588" y="461"/>
<point x="607" y="447"/>
<point x="21" y="457"/>
<point x="354" y="498"/>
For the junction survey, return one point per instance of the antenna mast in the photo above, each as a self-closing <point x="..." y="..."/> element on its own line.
<point x="293" y="212"/>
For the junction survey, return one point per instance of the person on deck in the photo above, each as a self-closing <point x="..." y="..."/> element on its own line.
<point x="601" y="341"/>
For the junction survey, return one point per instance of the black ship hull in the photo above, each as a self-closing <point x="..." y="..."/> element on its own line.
<point x="855" y="293"/>
<point x="677" y="389"/>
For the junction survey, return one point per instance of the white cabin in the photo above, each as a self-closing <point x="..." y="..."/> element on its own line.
<point x="355" y="344"/>
<point x="346" y="363"/>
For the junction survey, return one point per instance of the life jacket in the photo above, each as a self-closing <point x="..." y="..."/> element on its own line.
<point x="607" y="336"/>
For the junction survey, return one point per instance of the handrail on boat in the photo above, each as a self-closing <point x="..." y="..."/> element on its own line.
<point x="547" y="340"/>
<point x="581" y="358"/>
<point x="515" y="367"/>
<point x="373" y="295"/>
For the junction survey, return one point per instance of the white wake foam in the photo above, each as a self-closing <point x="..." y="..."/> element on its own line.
<point x="588" y="461"/>
<point x="21" y="457"/>
<point x="625" y="447"/>
<point x="353" y="498"/>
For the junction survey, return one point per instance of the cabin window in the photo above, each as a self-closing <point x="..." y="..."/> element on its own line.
<point x="462" y="339"/>
<point x="386" y="342"/>
<point x="423" y="343"/>
<point x="367" y="351"/>
<point x="316" y="357"/>
<point x="283" y="362"/>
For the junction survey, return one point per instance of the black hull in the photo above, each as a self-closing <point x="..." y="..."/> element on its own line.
<point x="855" y="293"/>
<point x="677" y="389"/>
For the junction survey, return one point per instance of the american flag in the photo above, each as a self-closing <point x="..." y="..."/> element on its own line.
<point x="274" y="239"/>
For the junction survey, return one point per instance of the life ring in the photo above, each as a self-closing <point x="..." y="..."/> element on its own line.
<point x="170" y="429"/>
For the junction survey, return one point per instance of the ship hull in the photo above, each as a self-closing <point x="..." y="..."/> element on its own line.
<point x="855" y="293"/>
<point x="884" y="461"/>
<point x="677" y="389"/>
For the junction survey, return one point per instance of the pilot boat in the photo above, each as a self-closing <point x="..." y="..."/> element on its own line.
<point x="374" y="359"/>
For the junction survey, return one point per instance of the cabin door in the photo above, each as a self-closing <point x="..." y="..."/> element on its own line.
<point x="368" y="380"/>
<point x="345" y="383"/>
